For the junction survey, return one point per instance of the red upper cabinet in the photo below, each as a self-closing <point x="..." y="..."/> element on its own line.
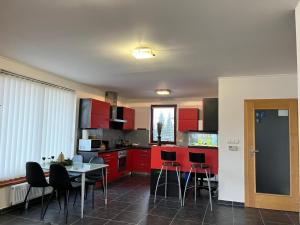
<point x="188" y="119"/>
<point x="129" y="116"/>
<point x="94" y="114"/>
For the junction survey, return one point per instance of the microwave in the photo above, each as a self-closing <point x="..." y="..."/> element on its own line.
<point x="89" y="144"/>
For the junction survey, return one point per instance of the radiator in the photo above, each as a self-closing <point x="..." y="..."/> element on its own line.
<point x="18" y="193"/>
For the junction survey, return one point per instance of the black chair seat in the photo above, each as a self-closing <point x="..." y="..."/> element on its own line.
<point x="74" y="175"/>
<point x="176" y="164"/>
<point x="76" y="185"/>
<point x="200" y="166"/>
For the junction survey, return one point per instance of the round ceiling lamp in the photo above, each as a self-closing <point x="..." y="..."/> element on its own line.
<point x="143" y="53"/>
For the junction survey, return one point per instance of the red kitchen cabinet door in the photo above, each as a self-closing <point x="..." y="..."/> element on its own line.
<point x="100" y="113"/>
<point x="128" y="115"/>
<point x="186" y="125"/>
<point x="188" y="114"/>
<point x="111" y="159"/>
<point x="141" y="161"/>
<point x="188" y="119"/>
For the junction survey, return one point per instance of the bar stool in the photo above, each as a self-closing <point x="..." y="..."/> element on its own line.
<point x="169" y="159"/>
<point x="198" y="163"/>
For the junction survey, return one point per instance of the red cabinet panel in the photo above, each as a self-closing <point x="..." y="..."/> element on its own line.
<point x="188" y="119"/>
<point x="94" y="113"/>
<point x="182" y="156"/>
<point x="129" y="116"/>
<point x="139" y="160"/>
<point x="111" y="159"/>
<point x="188" y="113"/>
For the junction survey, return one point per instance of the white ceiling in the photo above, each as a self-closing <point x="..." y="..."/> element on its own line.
<point x="195" y="40"/>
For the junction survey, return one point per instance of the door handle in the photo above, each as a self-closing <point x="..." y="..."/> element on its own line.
<point x="254" y="151"/>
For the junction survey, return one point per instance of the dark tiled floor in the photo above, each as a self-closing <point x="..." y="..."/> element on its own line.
<point x="130" y="203"/>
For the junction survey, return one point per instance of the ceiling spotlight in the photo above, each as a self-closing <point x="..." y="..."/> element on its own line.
<point x="143" y="53"/>
<point x="163" y="92"/>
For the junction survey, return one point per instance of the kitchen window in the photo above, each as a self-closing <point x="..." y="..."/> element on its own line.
<point x="165" y="114"/>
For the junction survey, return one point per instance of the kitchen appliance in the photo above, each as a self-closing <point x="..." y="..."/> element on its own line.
<point x="116" y="112"/>
<point x="92" y="145"/>
<point x="122" y="160"/>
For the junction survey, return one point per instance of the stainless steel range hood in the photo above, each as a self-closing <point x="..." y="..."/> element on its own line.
<point x="112" y="98"/>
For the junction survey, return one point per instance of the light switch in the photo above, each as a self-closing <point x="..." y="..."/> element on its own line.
<point x="233" y="148"/>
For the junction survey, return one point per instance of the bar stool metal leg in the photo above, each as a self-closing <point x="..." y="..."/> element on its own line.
<point x="209" y="189"/>
<point x="186" y="184"/>
<point x="162" y="167"/>
<point x="179" y="185"/>
<point x="166" y="182"/>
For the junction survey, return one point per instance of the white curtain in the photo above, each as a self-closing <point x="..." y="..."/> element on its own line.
<point x="36" y="120"/>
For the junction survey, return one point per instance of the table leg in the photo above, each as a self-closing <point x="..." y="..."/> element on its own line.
<point x="106" y="186"/>
<point x="82" y="193"/>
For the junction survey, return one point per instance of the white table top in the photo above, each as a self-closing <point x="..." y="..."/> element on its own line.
<point x="78" y="167"/>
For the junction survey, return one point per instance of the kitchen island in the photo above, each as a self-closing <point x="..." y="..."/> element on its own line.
<point x="182" y="156"/>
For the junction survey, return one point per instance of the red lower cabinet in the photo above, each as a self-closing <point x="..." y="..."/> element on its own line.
<point x="139" y="160"/>
<point x="111" y="159"/>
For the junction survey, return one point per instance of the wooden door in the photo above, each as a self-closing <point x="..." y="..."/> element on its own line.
<point x="271" y="154"/>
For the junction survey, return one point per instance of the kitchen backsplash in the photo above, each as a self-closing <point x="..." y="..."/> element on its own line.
<point x="140" y="137"/>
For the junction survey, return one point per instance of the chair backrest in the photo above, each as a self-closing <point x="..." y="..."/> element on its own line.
<point x="168" y="156"/>
<point x="96" y="174"/>
<point x="196" y="157"/>
<point x="35" y="175"/>
<point x="59" y="177"/>
<point x="97" y="160"/>
<point x="77" y="159"/>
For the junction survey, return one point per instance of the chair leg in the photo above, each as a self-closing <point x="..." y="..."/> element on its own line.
<point x="179" y="185"/>
<point x="42" y="210"/>
<point x="186" y="184"/>
<point x="67" y="203"/>
<point x="51" y="196"/>
<point x="166" y="182"/>
<point x="103" y="187"/>
<point x="93" y="197"/>
<point x="195" y="185"/>
<point x="27" y="194"/>
<point x="58" y="199"/>
<point x="209" y="189"/>
<point x="162" y="167"/>
<point x="75" y="198"/>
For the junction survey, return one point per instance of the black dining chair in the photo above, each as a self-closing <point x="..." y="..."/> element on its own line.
<point x="92" y="178"/>
<point x="60" y="181"/>
<point x="35" y="177"/>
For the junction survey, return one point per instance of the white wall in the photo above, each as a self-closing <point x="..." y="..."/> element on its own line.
<point x="82" y="91"/>
<point x="232" y="93"/>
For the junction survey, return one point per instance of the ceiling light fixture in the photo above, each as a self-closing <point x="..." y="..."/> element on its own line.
<point x="163" y="92"/>
<point x="143" y="53"/>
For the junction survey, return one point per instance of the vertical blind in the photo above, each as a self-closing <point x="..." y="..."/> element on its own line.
<point x="36" y="120"/>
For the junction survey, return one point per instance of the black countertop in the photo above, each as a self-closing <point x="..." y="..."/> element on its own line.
<point x="119" y="149"/>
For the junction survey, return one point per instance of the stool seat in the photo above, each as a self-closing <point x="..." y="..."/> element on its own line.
<point x="176" y="164"/>
<point x="200" y="166"/>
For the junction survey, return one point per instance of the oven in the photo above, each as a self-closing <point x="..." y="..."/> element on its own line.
<point x="122" y="160"/>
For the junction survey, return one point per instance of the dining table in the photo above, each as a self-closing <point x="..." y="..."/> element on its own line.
<point x="82" y="169"/>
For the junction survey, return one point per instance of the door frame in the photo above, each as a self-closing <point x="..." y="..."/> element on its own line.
<point x="271" y="201"/>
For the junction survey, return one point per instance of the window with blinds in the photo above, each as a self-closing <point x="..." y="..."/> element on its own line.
<point x="36" y="120"/>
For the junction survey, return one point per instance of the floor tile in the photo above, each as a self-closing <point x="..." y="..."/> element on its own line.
<point x="129" y="217"/>
<point x="130" y="202"/>
<point x="155" y="220"/>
